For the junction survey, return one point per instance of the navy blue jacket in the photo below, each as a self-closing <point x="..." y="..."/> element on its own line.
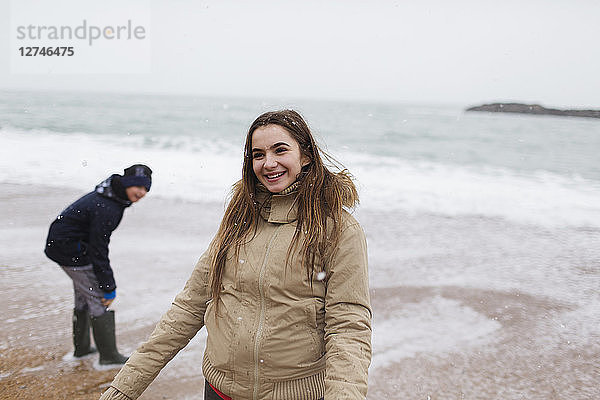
<point x="81" y="233"/>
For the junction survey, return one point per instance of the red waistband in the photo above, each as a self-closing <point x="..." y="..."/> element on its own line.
<point x="221" y="395"/>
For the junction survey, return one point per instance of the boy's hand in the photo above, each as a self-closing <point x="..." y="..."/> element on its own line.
<point x="108" y="298"/>
<point x="106" y="302"/>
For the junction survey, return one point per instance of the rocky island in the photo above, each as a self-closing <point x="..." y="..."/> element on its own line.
<point x="534" y="109"/>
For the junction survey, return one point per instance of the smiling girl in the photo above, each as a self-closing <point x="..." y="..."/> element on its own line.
<point x="282" y="289"/>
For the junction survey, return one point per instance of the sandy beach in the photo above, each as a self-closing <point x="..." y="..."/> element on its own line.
<point x="514" y="317"/>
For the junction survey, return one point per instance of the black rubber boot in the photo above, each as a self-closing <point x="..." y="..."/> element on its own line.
<point x="104" y="336"/>
<point x="81" y="334"/>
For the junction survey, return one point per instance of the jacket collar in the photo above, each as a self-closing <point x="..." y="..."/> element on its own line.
<point x="279" y="208"/>
<point x="284" y="208"/>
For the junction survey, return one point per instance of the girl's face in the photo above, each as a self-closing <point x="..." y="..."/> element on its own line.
<point x="276" y="157"/>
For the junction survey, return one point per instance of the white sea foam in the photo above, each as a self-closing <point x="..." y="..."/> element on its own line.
<point x="436" y="325"/>
<point x="197" y="168"/>
<point x="107" y="367"/>
<point x="32" y="369"/>
<point x="198" y="171"/>
<point x="539" y="197"/>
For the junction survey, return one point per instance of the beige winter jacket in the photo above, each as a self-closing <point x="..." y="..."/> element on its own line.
<point x="276" y="335"/>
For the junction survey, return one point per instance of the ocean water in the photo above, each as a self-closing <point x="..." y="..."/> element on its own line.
<point x="482" y="228"/>
<point x="434" y="159"/>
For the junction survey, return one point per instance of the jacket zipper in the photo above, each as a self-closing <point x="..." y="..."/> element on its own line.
<point x="261" y="317"/>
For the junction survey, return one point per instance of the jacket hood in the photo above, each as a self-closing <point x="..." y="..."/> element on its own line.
<point x="106" y="188"/>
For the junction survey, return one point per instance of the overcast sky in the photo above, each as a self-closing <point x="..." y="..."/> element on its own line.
<point x="433" y="51"/>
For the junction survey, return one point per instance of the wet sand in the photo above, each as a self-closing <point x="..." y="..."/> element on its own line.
<point x="530" y="347"/>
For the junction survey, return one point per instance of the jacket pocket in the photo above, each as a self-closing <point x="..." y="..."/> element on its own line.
<point x="224" y="325"/>
<point x="219" y="336"/>
<point x="67" y="252"/>
<point x="317" y="324"/>
<point x="291" y="345"/>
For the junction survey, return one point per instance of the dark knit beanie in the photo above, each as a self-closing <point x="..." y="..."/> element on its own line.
<point x="137" y="175"/>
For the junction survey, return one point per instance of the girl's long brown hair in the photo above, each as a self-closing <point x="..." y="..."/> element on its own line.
<point x="322" y="195"/>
